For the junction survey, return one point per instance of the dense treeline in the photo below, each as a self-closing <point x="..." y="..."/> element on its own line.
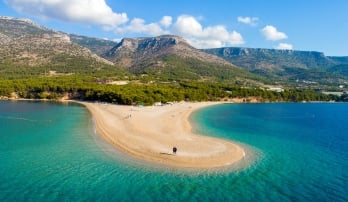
<point x="19" y="71"/>
<point x="87" y="88"/>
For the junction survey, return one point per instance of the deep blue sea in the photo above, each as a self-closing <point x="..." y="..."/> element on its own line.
<point x="296" y="152"/>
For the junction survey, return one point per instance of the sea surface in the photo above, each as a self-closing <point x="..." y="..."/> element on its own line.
<point x="295" y="152"/>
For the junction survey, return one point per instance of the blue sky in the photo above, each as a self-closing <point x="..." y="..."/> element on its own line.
<point x="318" y="25"/>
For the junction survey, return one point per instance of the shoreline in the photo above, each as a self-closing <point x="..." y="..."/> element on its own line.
<point x="150" y="133"/>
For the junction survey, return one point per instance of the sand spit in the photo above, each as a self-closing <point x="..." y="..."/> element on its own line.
<point x="150" y="133"/>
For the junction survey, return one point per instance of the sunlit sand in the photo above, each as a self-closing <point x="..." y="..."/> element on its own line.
<point x="150" y="133"/>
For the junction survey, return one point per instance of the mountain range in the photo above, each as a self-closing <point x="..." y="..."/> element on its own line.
<point x="28" y="49"/>
<point x="287" y="65"/>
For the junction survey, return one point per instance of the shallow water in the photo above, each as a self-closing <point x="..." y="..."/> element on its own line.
<point x="299" y="152"/>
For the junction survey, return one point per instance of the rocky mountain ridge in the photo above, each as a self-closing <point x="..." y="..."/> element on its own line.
<point x="13" y="28"/>
<point x="287" y="66"/>
<point x="134" y="51"/>
<point x="26" y="44"/>
<point x="273" y="59"/>
<point x="171" y="57"/>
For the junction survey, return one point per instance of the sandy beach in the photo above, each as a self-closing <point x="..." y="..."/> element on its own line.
<point x="150" y="133"/>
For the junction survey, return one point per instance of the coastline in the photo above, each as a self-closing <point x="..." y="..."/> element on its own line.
<point x="150" y="133"/>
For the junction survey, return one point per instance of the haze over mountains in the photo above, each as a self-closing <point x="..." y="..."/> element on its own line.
<point x="26" y="44"/>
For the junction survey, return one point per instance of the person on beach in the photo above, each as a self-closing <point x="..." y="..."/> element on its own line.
<point x="174" y="150"/>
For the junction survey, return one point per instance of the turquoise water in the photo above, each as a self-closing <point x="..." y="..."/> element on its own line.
<point x="49" y="152"/>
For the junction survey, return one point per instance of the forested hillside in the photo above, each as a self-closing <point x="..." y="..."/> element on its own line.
<point x="289" y="67"/>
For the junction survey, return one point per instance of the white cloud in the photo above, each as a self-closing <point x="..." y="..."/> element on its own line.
<point x="205" y="37"/>
<point x="198" y="43"/>
<point x="137" y="25"/>
<point x="252" y="21"/>
<point x="188" y="25"/>
<point x="166" y="21"/>
<point x="271" y="33"/>
<point x="284" y="46"/>
<point x="117" y="40"/>
<point x="82" y="11"/>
